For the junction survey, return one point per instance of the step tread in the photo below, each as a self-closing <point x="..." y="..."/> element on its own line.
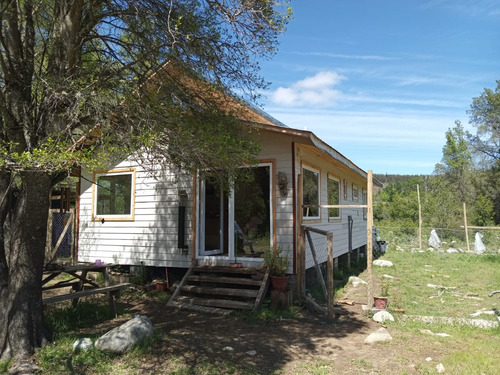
<point x="225" y="280"/>
<point x="227" y="304"/>
<point x="250" y="293"/>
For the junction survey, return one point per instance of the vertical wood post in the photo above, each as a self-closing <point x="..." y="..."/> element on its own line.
<point x="331" y="290"/>
<point x="301" y="249"/>
<point x="369" y="239"/>
<point x="419" y="219"/>
<point x="466" y="228"/>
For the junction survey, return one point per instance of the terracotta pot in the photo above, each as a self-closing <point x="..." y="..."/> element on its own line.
<point x="380" y="302"/>
<point x="161" y="286"/>
<point x="279" y="283"/>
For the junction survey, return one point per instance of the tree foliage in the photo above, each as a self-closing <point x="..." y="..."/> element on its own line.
<point x="81" y="81"/>
<point x="485" y="117"/>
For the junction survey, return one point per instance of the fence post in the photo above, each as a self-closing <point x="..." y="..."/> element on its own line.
<point x="301" y="251"/>
<point x="419" y="219"/>
<point x="369" y="239"/>
<point x="331" y="290"/>
<point x="466" y="228"/>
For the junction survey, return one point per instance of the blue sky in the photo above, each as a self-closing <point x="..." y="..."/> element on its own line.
<point x="382" y="81"/>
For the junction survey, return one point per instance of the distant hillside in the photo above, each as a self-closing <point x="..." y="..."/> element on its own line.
<point x="388" y="178"/>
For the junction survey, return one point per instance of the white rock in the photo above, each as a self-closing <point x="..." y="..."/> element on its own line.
<point x="382" y="263"/>
<point x="251" y="352"/>
<point x="388" y="276"/>
<point x="382" y="316"/>
<point x="428" y="359"/>
<point x="82" y="345"/>
<point x="356" y="281"/>
<point x="378" y="336"/>
<point x="124" y="337"/>
<point x="228" y="349"/>
<point x="440" y="368"/>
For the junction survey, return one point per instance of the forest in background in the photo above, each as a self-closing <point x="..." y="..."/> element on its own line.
<point x="469" y="173"/>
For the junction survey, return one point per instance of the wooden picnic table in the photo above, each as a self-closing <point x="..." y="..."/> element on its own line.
<point x="80" y="283"/>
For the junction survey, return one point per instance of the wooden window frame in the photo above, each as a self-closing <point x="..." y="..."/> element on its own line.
<point x="338" y="180"/>
<point x="314" y="170"/>
<point x="355" y="197"/>
<point x="113" y="217"/>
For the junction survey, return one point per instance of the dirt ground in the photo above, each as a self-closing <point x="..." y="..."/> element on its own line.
<point x="308" y="344"/>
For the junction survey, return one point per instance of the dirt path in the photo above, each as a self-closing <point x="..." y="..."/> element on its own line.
<point x="306" y="345"/>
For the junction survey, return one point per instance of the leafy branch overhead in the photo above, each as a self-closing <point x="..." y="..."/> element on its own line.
<point x="67" y="66"/>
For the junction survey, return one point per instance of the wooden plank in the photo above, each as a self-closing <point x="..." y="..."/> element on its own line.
<point x="319" y="275"/>
<point x="233" y="270"/>
<point x="202" y="309"/>
<point x="224" y="280"/>
<point x="61" y="237"/>
<point x="178" y="290"/>
<point x="262" y="291"/>
<point x="301" y="243"/>
<point x="250" y="293"/>
<point x="227" y="304"/>
<point x="86" y="293"/>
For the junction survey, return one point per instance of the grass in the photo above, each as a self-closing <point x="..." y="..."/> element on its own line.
<point x="468" y="351"/>
<point x="469" y="278"/>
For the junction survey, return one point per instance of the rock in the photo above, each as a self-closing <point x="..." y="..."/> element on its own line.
<point x="428" y="359"/>
<point x="388" y="276"/>
<point x="124" y="337"/>
<point x="251" y="352"/>
<point x="356" y="281"/>
<point x="440" y="368"/>
<point x="82" y="345"/>
<point x="382" y="316"/>
<point x="228" y="349"/>
<point x="382" y="263"/>
<point x="379" y="335"/>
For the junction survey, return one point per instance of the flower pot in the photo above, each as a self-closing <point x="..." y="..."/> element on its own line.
<point x="279" y="283"/>
<point x="380" y="302"/>
<point x="161" y="286"/>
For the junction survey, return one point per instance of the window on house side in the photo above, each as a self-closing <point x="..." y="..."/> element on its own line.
<point x="310" y="186"/>
<point x="114" y="194"/>
<point x="355" y="196"/>
<point x="333" y="197"/>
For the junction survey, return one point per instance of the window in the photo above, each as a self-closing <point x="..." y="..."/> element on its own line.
<point x="114" y="195"/>
<point x="333" y="197"/>
<point x="310" y="191"/>
<point x="355" y="194"/>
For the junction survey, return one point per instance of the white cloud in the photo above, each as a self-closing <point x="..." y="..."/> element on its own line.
<point x="316" y="91"/>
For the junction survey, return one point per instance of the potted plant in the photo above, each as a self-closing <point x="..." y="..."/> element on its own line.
<point x="380" y="302"/>
<point x="161" y="285"/>
<point x="277" y="265"/>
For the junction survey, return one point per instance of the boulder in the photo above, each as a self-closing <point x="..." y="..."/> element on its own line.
<point x="382" y="316"/>
<point x="382" y="263"/>
<point x="379" y="335"/>
<point x="82" y="345"/>
<point x="124" y="337"/>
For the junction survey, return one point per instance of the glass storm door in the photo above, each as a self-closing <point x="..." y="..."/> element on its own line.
<point x="213" y="218"/>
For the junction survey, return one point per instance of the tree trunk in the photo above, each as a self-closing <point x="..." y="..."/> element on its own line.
<point x="24" y="205"/>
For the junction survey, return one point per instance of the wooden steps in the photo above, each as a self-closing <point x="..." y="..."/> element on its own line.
<point x="221" y="290"/>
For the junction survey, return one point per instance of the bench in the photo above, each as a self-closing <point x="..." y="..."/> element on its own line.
<point x="112" y="291"/>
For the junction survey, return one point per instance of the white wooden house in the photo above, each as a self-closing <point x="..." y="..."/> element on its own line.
<point x="174" y="219"/>
<point x="128" y="216"/>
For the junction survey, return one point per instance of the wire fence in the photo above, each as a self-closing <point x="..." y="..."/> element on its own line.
<point x="484" y="241"/>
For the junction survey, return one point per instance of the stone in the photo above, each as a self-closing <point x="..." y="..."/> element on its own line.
<point x="251" y="352"/>
<point x="382" y="263"/>
<point x="428" y="359"/>
<point x="382" y="316"/>
<point x="124" y="337"/>
<point x="379" y="335"/>
<point x="82" y="345"/>
<point x="228" y="349"/>
<point x="355" y="281"/>
<point x="440" y="368"/>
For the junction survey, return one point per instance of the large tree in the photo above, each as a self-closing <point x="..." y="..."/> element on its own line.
<point x="76" y="81"/>
<point x="485" y="117"/>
